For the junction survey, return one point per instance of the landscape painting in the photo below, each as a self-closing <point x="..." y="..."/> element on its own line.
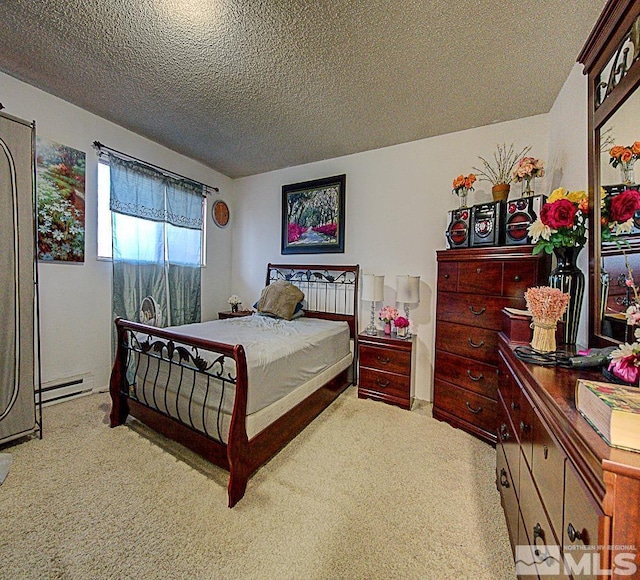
<point x="313" y="216"/>
<point x="60" y="196"/>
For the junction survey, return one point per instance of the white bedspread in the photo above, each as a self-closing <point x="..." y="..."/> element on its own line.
<point x="281" y="355"/>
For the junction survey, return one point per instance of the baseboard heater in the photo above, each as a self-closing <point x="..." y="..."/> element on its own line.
<point x="64" y="389"/>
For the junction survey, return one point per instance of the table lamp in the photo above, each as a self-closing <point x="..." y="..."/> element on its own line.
<point x="408" y="291"/>
<point x="372" y="291"/>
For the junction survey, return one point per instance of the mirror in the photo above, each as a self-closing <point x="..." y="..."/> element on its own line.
<point x="611" y="58"/>
<point x="620" y="257"/>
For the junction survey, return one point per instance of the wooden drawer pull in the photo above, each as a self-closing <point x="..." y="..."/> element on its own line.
<point x="478" y="378"/>
<point x="383" y="360"/>
<point x="573" y="534"/>
<point x="474" y="411"/>
<point x="474" y="345"/>
<point x="504" y="480"/>
<point x="477" y="312"/>
<point x="381" y="383"/>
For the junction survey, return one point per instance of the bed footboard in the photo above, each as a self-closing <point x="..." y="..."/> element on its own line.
<point x="175" y="385"/>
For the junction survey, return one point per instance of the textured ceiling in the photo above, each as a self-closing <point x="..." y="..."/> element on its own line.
<point x="247" y="86"/>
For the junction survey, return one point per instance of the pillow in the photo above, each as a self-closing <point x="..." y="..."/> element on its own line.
<point x="280" y="299"/>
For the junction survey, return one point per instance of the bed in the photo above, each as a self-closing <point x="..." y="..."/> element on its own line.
<point x="236" y="391"/>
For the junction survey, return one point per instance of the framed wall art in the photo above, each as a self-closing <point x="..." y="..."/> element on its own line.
<point x="313" y="216"/>
<point x="61" y="193"/>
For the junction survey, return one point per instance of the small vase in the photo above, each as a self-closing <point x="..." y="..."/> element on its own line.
<point x="462" y="198"/>
<point x="500" y="191"/>
<point x="387" y="328"/>
<point x="626" y="172"/>
<point x="527" y="189"/>
<point x="234" y="308"/>
<point x="570" y="279"/>
<point x="401" y="332"/>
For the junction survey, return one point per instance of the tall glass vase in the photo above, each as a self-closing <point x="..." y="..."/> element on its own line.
<point x="567" y="277"/>
<point x="626" y="172"/>
<point x="527" y="186"/>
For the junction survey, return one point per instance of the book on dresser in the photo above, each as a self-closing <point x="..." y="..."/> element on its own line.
<point x="612" y="410"/>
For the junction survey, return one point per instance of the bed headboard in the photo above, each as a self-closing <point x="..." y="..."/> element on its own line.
<point x="331" y="292"/>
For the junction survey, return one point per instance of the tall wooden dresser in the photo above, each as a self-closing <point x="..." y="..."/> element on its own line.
<point x="474" y="284"/>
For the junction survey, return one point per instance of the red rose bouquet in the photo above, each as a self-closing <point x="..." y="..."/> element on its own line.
<point x="562" y="222"/>
<point x="617" y="211"/>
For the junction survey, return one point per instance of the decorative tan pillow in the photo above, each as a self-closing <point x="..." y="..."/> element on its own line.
<point x="280" y="299"/>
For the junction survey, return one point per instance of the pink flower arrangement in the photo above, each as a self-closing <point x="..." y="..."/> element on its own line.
<point x="388" y="313"/>
<point x="527" y="168"/>
<point x="401" y="322"/>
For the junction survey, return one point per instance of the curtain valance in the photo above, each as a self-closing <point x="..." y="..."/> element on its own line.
<point x="141" y="191"/>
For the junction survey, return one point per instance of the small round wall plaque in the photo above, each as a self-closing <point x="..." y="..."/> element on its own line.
<point x="220" y="213"/>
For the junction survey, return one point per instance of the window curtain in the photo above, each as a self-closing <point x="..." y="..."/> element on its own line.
<point x="157" y="224"/>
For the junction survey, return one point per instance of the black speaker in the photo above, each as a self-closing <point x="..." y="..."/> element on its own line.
<point x="458" y="229"/>
<point x="486" y="224"/>
<point x="519" y="214"/>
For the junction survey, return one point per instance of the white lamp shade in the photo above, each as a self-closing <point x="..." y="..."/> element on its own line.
<point x="372" y="287"/>
<point x="408" y="289"/>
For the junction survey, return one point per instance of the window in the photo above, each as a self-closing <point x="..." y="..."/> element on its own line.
<point x="151" y="232"/>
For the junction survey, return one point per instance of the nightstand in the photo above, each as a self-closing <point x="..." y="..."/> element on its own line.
<point x="229" y="314"/>
<point x="386" y="368"/>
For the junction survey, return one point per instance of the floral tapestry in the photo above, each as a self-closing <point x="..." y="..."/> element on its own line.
<point x="60" y="195"/>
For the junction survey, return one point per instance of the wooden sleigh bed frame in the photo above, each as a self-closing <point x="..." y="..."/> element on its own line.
<point x="331" y="293"/>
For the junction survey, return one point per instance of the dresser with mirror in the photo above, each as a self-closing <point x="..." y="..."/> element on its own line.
<point x="570" y="498"/>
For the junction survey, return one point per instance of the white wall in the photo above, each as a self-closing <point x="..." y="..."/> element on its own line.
<point x="568" y="159"/>
<point x="75" y="299"/>
<point x="397" y="200"/>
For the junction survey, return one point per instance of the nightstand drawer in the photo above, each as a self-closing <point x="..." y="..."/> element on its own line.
<point x="473" y="375"/>
<point x="476" y="343"/>
<point x="517" y="278"/>
<point x="385" y="359"/>
<point x="385" y="383"/>
<point x="466" y="405"/>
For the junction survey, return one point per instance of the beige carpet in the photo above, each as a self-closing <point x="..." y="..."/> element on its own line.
<point x="366" y="491"/>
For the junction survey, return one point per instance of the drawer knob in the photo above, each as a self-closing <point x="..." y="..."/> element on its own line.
<point x="516" y="278"/>
<point x="545" y="451"/>
<point x="573" y="534"/>
<point x="504" y="432"/>
<point x="514" y="406"/>
<point x="504" y="480"/>
<point x="446" y="276"/>
<point x="381" y="383"/>
<point x="474" y="344"/>
<point x="478" y="378"/>
<point x="523" y="427"/>
<point x="383" y="360"/>
<point x="479" y="270"/>
<point x="474" y="411"/>
<point x="477" y="312"/>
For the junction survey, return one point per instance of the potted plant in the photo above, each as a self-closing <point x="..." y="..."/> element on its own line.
<point x="500" y="172"/>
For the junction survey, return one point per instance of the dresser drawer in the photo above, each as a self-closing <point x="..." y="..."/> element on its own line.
<point x="518" y="277"/>
<point x="474" y="309"/>
<point x="447" y="277"/>
<point x="385" y="359"/>
<point x="480" y="277"/>
<point x="507" y="493"/>
<point x="473" y="375"/>
<point x="385" y="383"/>
<point x="466" y="405"/>
<point x="476" y="343"/>
<point x="548" y="472"/>
<point x="581" y="516"/>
